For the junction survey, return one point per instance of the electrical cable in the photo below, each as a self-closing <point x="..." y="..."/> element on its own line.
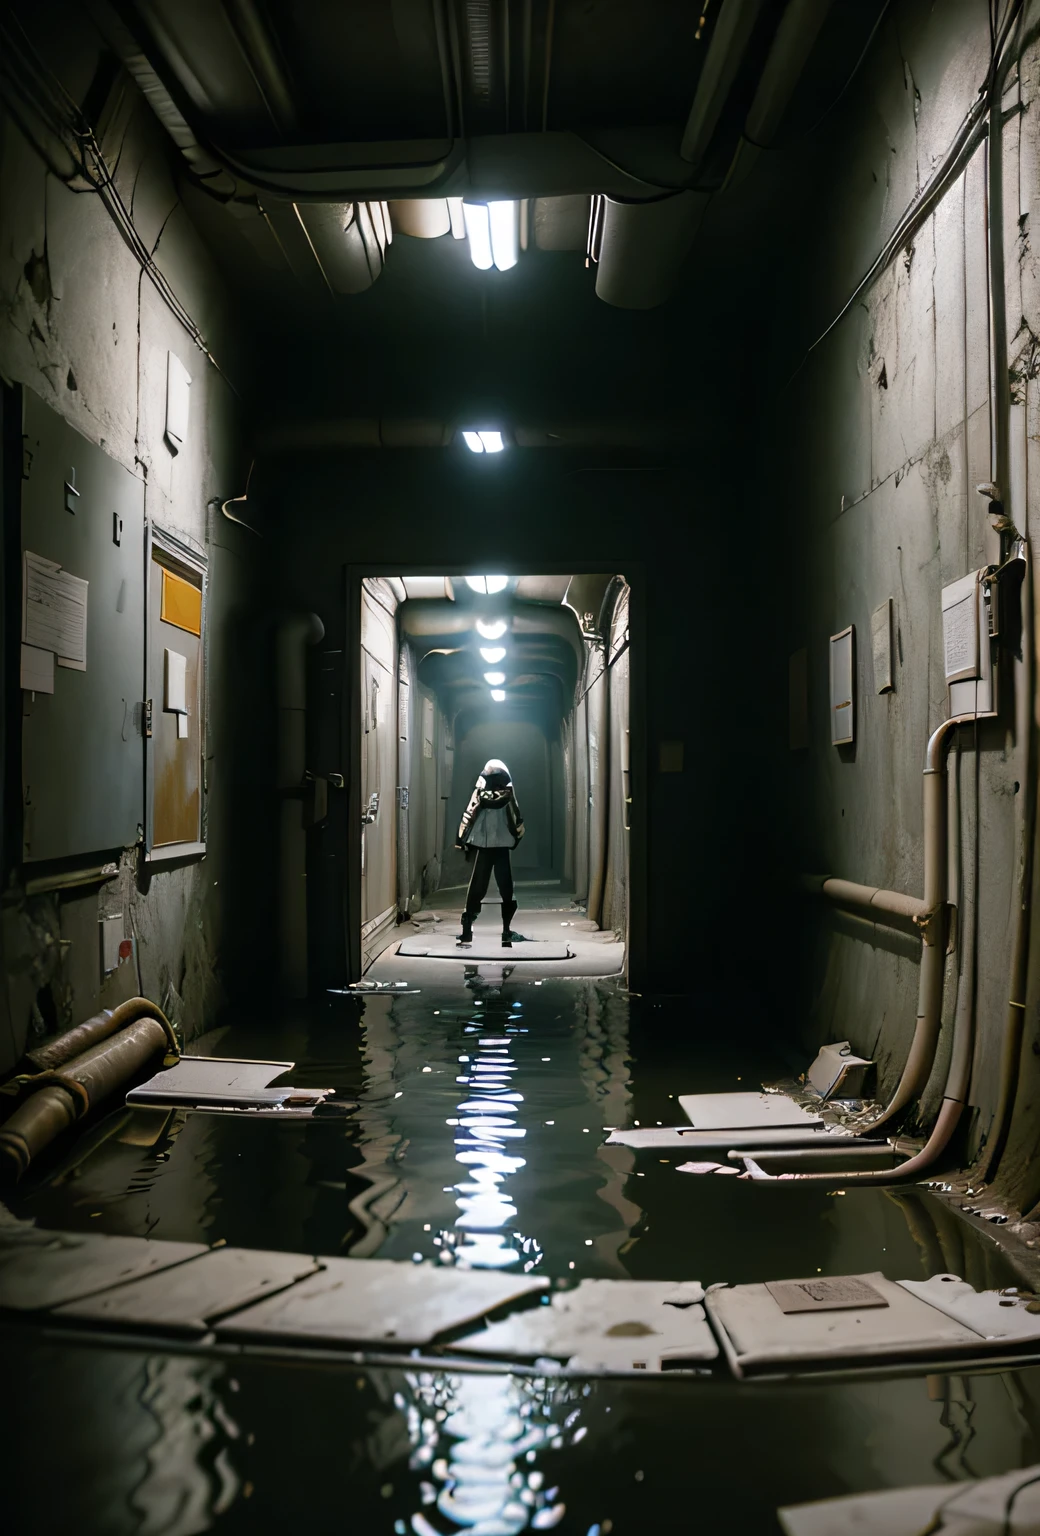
<point x="61" y="116"/>
<point x="967" y="139"/>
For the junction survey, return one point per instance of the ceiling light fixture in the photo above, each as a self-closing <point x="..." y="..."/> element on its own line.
<point x="495" y="678"/>
<point x="491" y="629"/>
<point x="491" y="653"/>
<point x="498" y="694"/>
<point x="483" y="442"/>
<point x="493" y="232"/>
<point x="484" y="584"/>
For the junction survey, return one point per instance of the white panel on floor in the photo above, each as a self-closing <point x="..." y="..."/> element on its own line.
<point x="65" y="1266"/>
<point x="688" y="1138"/>
<point x="441" y="949"/>
<point x="379" y="1301"/>
<point x="982" y="1508"/>
<point x="762" y="1337"/>
<point x="743" y="1111"/>
<point x="993" y="1314"/>
<point x="201" y="1077"/>
<point x="614" y="1325"/>
<point x="186" y="1297"/>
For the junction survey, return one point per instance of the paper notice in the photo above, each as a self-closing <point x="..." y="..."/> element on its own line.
<point x="827" y="1293"/>
<point x="176" y="679"/>
<point x="37" y="669"/>
<point x="54" y="610"/>
<point x="182" y="727"/>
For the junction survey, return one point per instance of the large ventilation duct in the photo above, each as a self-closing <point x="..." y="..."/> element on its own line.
<point x="426" y="218"/>
<point x="643" y="246"/>
<point x="349" y="242"/>
<point x="729" y="44"/>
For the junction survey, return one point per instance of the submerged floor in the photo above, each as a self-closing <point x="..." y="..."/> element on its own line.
<point x="432" y="1167"/>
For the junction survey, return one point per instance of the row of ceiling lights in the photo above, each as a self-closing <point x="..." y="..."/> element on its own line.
<point x="491" y="629"/>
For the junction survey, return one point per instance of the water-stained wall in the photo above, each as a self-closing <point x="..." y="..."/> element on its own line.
<point x="882" y="434"/>
<point x="84" y="325"/>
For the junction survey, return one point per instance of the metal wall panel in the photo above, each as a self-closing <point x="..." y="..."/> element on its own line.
<point x="82" y="749"/>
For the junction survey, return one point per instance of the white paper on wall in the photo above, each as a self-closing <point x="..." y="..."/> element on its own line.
<point x="37" y="670"/>
<point x="54" y="610"/>
<point x="176" y="682"/>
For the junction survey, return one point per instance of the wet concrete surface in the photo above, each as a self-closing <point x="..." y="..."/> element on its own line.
<point x="483" y="1106"/>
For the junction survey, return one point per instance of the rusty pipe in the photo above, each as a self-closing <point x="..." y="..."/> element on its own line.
<point x="63" y="1097"/>
<point x="930" y="996"/>
<point x="846" y="893"/>
<point x="93" y="1030"/>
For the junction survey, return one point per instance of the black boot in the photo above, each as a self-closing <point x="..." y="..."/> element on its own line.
<point x="508" y="910"/>
<point x="466" y="936"/>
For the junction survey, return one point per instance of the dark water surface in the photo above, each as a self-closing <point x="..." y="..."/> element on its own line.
<point x="479" y="1141"/>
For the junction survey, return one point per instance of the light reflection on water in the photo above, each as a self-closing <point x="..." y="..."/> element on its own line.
<point x="476" y="1440"/>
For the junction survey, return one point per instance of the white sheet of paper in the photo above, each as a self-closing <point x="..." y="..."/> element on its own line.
<point x="182" y="726"/>
<point x="54" y="609"/>
<point x="176" y="676"/>
<point x="37" y="669"/>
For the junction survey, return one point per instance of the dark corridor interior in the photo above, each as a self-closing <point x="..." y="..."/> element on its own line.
<point x="645" y="396"/>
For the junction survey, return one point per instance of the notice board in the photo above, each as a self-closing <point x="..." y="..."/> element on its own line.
<point x="83" y="591"/>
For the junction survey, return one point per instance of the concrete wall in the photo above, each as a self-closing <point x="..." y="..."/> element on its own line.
<point x="83" y="326"/>
<point x="881" y="436"/>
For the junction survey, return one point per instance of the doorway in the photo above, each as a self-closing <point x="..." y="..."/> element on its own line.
<point x="454" y="670"/>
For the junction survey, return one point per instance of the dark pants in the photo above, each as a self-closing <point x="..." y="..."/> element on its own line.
<point x="489" y="859"/>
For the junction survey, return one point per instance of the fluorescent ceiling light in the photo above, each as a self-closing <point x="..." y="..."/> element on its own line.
<point x="483" y="442"/>
<point x="491" y="629"/>
<point x="494" y="677"/>
<point x="455" y="214"/>
<point x="493" y="232"/>
<point x="497" y="583"/>
<point x="492" y="653"/>
<point x="498" y="694"/>
<point x="478" y="233"/>
<point x="504" y="219"/>
<point x="485" y="584"/>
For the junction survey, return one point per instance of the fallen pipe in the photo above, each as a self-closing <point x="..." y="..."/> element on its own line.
<point x="56" y="1099"/>
<point x="929" y="1006"/>
<point x="93" y="1030"/>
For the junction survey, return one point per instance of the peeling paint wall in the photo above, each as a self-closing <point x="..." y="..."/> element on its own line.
<point x="83" y="325"/>
<point x="883" y="434"/>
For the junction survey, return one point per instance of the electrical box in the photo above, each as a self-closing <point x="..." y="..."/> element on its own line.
<point x="968" y="629"/>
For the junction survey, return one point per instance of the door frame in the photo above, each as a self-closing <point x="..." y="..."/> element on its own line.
<point x="635" y="575"/>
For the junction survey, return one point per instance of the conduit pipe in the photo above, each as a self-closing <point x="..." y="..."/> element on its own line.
<point x="93" y="1030"/>
<point x="930" y="996"/>
<point x="294" y="635"/>
<point x="846" y="893"/>
<point x="729" y="43"/>
<point x="1016" y="1010"/>
<point x="56" y="1099"/>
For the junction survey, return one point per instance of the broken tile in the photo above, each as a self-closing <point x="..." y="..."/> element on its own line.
<point x="36" y="1276"/>
<point x="188" y="1296"/>
<point x="380" y="1301"/>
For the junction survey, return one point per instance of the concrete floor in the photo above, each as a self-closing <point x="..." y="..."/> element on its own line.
<point x="545" y="913"/>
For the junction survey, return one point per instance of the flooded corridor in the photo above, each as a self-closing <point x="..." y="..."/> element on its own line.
<point x="483" y="1106"/>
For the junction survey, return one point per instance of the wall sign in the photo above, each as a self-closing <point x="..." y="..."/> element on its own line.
<point x="842" y="671"/>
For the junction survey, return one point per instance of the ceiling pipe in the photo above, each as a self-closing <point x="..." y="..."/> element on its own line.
<point x="726" y="51"/>
<point x="794" y="41"/>
<point x="266" y="66"/>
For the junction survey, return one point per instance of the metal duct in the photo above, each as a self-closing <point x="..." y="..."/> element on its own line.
<point x="643" y="247"/>
<point x="425" y="218"/>
<point x="795" y="36"/>
<point x="349" y="242"/>
<point x="729" y="43"/>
